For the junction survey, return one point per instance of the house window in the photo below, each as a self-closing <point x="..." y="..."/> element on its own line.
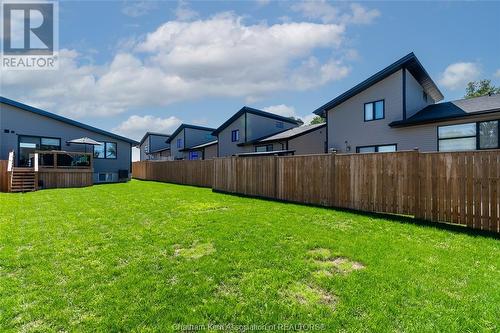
<point x="194" y="155"/>
<point x="279" y="124"/>
<point x="107" y="150"/>
<point x="264" y="148"/>
<point x="105" y="177"/>
<point x="29" y="144"/>
<point x="457" y="137"/>
<point x="488" y="134"/>
<point x="146" y="149"/>
<point x="374" y="110"/>
<point x="179" y="143"/>
<point x="376" y="149"/>
<point x="235" y="135"/>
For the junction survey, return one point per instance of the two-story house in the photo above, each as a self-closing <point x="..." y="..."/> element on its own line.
<point x="245" y="127"/>
<point x="187" y="136"/>
<point x="397" y="109"/>
<point x="153" y="146"/>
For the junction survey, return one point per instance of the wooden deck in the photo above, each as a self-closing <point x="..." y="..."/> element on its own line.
<point x="49" y="169"/>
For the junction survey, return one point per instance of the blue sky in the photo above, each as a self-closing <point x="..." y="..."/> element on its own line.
<point x="133" y="66"/>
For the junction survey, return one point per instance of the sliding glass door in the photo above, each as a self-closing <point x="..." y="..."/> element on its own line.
<point x="29" y="144"/>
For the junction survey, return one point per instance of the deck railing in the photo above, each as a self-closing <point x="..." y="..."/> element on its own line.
<point x="63" y="160"/>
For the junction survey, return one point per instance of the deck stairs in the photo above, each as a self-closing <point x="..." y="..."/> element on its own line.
<point x="23" y="180"/>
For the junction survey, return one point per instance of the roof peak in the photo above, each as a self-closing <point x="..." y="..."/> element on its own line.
<point x="409" y="62"/>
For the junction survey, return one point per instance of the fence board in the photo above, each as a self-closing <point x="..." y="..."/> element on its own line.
<point x="197" y="173"/>
<point x="4" y="176"/>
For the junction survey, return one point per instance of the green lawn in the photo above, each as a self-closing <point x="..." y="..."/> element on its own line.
<point x="144" y="256"/>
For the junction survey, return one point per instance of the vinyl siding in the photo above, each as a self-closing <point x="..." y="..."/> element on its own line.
<point x="310" y="143"/>
<point x="257" y="127"/>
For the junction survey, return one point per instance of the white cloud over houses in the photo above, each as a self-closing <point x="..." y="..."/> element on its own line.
<point x="282" y="110"/>
<point x="289" y="111"/>
<point x="135" y="126"/>
<point x="457" y="75"/>
<point x="191" y="58"/>
<point x="328" y="13"/>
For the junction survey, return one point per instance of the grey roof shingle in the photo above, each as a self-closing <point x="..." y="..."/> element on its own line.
<point x="452" y="110"/>
<point x="293" y="132"/>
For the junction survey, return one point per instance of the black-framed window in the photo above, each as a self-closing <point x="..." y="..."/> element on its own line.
<point x="28" y="144"/>
<point x="469" y="136"/>
<point x="264" y="148"/>
<point x="377" y="149"/>
<point x="106" y="150"/>
<point x="374" y="110"/>
<point x="235" y="135"/>
<point x="488" y="134"/>
<point x="179" y="143"/>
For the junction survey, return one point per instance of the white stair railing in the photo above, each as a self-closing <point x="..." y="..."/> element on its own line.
<point x="36" y="162"/>
<point x="10" y="164"/>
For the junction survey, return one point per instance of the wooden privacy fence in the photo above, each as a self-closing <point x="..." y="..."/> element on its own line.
<point x="4" y="176"/>
<point x="458" y="187"/>
<point x="196" y="173"/>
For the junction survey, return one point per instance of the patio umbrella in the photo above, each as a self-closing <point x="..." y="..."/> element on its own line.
<point x="85" y="141"/>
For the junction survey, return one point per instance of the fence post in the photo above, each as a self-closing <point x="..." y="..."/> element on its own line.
<point x="416" y="183"/>
<point x="275" y="177"/>
<point x="333" y="184"/>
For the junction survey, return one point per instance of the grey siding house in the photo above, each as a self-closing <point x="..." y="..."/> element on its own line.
<point x="397" y="109"/>
<point x="187" y="136"/>
<point x="153" y="146"/>
<point x="25" y="130"/>
<point x="303" y="140"/>
<point x="247" y="126"/>
<point x="205" y="151"/>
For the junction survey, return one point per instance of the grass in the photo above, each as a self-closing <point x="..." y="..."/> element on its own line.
<point x="147" y="256"/>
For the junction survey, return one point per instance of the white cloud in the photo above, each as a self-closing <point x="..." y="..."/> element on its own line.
<point x="138" y="8"/>
<point x="497" y="74"/>
<point x="361" y="15"/>
<point x="184" y="13"/>
<point x="327" y="13"/>
<point x="282" y="110"/>
<point x="289" y="111"/>
<point x="308" y="118"/>
<point x="457" y="75"/>
<point x="135" y="126"/>
<point x="218" y="56"/>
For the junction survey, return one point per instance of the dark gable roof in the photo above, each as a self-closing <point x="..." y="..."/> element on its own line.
<point x="452" y="110"/>
<point x="183" y="126"/>
<point x="64" y="120"/>
<point x="152" y="133"/>
<point x="410" y="62"/>
<point x="253" y="111"/>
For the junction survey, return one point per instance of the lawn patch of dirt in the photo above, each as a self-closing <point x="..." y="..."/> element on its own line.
<point x="340" y="265"/>
<point x="196" y="251"/>
<point x="312" y="295"/>
<point x="319" y="253"/>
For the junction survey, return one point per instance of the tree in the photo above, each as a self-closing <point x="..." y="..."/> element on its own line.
<point x="318" y="120"/>
<point x="480" y="88"/>
<point x="300" y="121"/>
